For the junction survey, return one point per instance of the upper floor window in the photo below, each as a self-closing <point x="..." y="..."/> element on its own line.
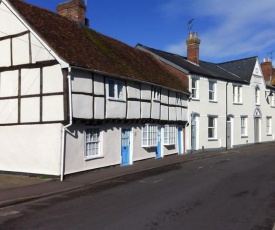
<point x="237" y="94"/>
<point x="149" y="135"/>
<point x="179" y="99"/>
<point x="244" y="126"/>
<point x="257" y="95"/>
<point x="92" y="143"/>
<point x="212" y="91"/>
<point x="156" y="93"/>
<point x="195" y="88"/>
<point x="169" y="135"/>
<point x="116" y="89"/>
<point x="212" y="127"/>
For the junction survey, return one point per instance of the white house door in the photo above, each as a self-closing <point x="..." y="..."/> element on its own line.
<point x="257" y="129"/>
<point x="229" y="133"/>
<point x="194" y="134"/>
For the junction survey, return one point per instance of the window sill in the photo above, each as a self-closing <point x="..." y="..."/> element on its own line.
<point x="213" y="101"/>
<point x="269" y="134"/>
<point x="148" y="146"/>
<point x="156" y="100"/>
<point x="272" y="106"/>
<point x="237" y="103"/>
<point x="212" y="139"/>
<point x="116" y="99"/>
<point x="244" y="136"/>
<point x="195" y="99"/>
<point x="169" y="144"/>
<point x="93" y="158"/>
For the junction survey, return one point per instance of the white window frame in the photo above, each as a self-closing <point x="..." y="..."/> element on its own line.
<point x="179" y="99"/>
<point x="195" y="89"/>
<point x="273" y="100"/>
<point x="92" y="143"/>
<point x="269" y="125"/>
<point x="244" y="126"/>
<point x="118" y="91"/>
<point x="214" y="127"/>
<point x="257" y="95"/>
<point x="156" y="93"/>
<point x="237" y="94"/>
<point x="169" y="135"/>
<point x="212" y="92"/>
<point x="149" y="135"/>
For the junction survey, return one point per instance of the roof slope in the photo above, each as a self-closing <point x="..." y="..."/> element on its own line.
<point x="234" y="71"/>
<point x="84" y="47"/>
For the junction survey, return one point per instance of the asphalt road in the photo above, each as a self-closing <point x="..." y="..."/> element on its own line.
<point x="229" y="192"/>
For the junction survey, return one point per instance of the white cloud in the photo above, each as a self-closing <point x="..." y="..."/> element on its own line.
<point x="228" y="28"/>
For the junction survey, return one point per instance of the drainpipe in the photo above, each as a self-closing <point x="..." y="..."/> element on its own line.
<point x="226" y="111"/>
<point x="65" y="128"/>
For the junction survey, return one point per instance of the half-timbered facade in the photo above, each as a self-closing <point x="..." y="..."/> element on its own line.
<point x="72" y="99"/>
<point x="231" y="104"/>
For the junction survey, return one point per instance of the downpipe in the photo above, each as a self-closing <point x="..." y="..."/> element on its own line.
<point x="65" y="128"/>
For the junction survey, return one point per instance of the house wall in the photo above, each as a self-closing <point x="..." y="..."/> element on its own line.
<point x="110" y="144"/>
<point x="93" y="102"/>
<point x="31" y="148"/>
<point x="202" y="108"/>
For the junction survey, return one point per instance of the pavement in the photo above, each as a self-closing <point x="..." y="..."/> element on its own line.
<point x="15" y="189"/>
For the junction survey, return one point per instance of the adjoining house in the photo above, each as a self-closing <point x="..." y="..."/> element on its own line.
<point x="72" y="99"/>
<point x="231" y="103"/>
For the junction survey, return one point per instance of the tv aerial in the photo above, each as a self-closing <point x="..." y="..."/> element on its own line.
<point x="190" y="25"/>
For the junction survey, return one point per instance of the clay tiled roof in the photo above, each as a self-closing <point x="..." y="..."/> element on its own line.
<point x="86" y="48"/>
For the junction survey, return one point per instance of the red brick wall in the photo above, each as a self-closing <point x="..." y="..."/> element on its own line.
<point x="74" y="10"/>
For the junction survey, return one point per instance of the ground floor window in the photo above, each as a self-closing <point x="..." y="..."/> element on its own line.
<point x="149" y="135"/>
<point x="169" y="135"/>
<point x="92" y="143"/>
<point x="212" y="127"/>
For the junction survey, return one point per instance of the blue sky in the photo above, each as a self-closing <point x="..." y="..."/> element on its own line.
<point x="229" y="30"/>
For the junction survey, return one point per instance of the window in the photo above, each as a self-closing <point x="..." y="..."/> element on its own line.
<point x="179" y="99"/>
<point x="156" y="93"/>
<point x="273" y="100"/>
<point x="212" y="127"/>
<point x="92" y="143"/>
<point x="149" y="135"/>
<point x="257" y="95"/>
<point x="237" y="94"/>
<point x="195" y="92"/>
<point x="169" y="135"/>
<point x="116" y="89"/>
<point x="268" y="126"/>
<point x="244" y="126"/>
<point x="212" y="91"/>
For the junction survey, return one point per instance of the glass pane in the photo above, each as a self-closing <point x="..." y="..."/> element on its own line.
<point x="111" y="88"/>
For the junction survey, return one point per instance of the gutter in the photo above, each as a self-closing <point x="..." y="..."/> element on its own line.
<point x="65" y="128"/>
<point x="226" y="114"/>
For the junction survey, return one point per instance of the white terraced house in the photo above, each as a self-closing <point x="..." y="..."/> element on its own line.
<point x="72" y="99"/>
<point x="231" y="105"/>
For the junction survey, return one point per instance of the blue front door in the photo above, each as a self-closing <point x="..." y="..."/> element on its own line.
<point x="125" y="147"/>
<point x="180" y="140"/>
<point x="158" y="152"/>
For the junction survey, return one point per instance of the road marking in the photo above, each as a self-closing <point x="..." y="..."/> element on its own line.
<point x="8" y="213"/>
<point x="201" y="167"/>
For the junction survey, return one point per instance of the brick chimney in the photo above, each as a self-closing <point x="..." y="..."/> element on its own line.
<point x="266" y="66"/>
<point x="193" y="44"/>
<point x="74" y="10"/>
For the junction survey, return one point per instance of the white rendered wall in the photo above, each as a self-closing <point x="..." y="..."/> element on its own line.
<point x="31" y="148"/>
<point x="110" y="147"/>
